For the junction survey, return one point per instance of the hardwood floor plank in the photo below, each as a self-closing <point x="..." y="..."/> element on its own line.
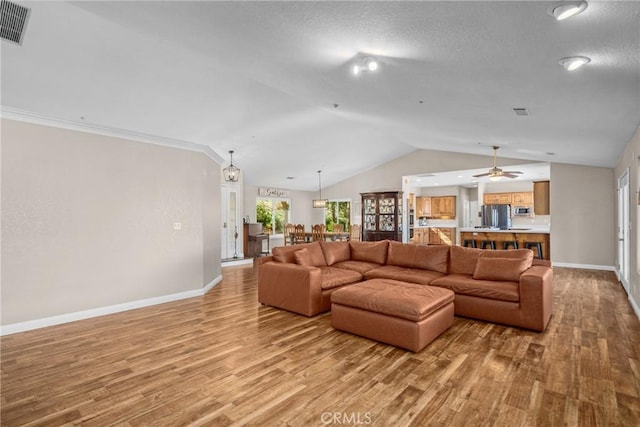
<point x="223" y="359"/>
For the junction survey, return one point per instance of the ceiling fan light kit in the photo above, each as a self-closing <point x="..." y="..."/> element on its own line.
<point x="367" y="63"/>
<point x="495" y="173"/>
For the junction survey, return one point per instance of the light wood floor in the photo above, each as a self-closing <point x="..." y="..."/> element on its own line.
<point x="223" y="359"/>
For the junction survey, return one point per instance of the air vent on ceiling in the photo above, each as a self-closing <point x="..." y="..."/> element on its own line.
<point x="521" y="111"/>
<point x="13" y="19"/>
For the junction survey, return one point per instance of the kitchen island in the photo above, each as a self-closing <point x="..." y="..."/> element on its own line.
<point x="524" y="237"/>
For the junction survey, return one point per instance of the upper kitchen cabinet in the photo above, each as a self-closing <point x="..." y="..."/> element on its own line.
<point x="423" y="207"/>
<point x="522" y="199"/>
<point x="497" y="198"/>
<point x="541" y="198"/>
<point x="443" y="207"/>
<point x="516" y="199"/>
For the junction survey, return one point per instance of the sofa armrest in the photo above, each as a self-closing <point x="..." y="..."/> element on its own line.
<point x="291" y="287"/>
<point x="536" y="296"/>
<point x="263" y="259"/>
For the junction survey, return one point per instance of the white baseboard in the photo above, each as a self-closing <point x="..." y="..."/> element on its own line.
<point x="101" y="311"/>
<point x="635" y="306"/>
<point x="585" y="266"/>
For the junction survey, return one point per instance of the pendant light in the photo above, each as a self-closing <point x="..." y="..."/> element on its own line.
<point x="320" y="202"/>
<point x="231" y="173"/>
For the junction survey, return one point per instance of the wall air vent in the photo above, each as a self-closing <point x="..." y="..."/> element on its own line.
<point x="13" y="19"/>
<point x="521" y="111"/>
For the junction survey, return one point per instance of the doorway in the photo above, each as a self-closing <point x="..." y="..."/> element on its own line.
<point x="623" y="236"/>
<point x="230" y="235"/>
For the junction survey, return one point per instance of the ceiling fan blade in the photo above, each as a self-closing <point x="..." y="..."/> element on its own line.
<point x="509" y="175"/>
<point x="481" y="175"/>
<point x="513" y="172"/>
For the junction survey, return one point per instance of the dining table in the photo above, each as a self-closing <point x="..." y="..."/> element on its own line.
<point x="328" y="235"/>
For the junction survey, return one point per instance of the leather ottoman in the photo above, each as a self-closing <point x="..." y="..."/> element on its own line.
<point x="393" y="312"/>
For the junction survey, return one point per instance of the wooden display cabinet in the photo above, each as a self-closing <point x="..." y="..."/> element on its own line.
<point x="382" y="216"/>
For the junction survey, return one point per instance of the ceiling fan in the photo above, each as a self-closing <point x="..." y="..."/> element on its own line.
<point x="495" y="173"/>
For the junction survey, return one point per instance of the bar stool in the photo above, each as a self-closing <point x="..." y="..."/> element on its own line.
<point x="469" y="243"/>
<point x="537" y="245"/>
<point x="507" y="243"/>
<point x="490" y="243"/>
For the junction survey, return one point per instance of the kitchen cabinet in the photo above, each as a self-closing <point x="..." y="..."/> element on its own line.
<point x="541" y="198"/>
<point x="382" y="216"/>
<point x="442" y="236"/>
<point x="515" y="199"/>
<point x="522" y="199"/>
<point x="412" y="201"/>
<point x="434" y="236"/>
<point x="420" y="236"/>
<point x="443" y="207"/>
<point x="497" y="199"/>
<point x="423" y="207"/>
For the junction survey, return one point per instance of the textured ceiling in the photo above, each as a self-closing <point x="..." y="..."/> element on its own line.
<point x="262" y="78"/>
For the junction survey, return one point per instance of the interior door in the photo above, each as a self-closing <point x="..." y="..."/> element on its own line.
<point x="623" y="267"/>
<point x="231" y="246"/>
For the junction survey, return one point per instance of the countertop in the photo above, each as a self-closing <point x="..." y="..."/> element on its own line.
<point x="512" y="230"/>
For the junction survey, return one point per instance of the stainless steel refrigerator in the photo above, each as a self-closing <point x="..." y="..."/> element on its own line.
<point x="496" y="216"/>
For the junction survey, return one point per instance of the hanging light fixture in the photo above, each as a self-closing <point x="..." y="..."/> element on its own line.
<point x="231" y="173"/>
<point x="320" y="202"/>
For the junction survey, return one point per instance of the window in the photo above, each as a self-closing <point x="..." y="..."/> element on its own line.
<point x="273" y="214"/>
<point x="338" y="212"/>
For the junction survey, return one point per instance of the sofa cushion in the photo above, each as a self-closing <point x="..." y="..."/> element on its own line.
<point x="334" y="277"/>
<point x="463" y="260"/>
<point x="466" y="285"/>
<point x="310" y="255"/>
<point x="359" y="266"/>
<point x="336" y="251"/>
<point x="286" y="253"/>
<point x="375" y="252"/>
<point x="505" y="269"/>
<point x="433" y="258"/>
<point x="403" y="274"/>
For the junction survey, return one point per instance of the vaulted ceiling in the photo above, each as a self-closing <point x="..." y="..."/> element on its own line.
<point x="273" y="81"/>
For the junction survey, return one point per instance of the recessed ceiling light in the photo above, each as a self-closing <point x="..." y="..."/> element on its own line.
<point x="574" y="62"/>
<point x="291" y="177"/>
<point x="568" y="9"/>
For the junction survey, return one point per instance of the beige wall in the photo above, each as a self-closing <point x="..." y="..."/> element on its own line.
<point x="582" y="201"/>
<point x="629" y="159"/>
<point x="87" y="221"/>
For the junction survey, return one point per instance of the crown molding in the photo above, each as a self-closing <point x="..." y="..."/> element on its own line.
<point x="42" y="119"/>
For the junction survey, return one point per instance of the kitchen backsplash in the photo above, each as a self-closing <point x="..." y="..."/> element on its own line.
<point x="537" y="221"/>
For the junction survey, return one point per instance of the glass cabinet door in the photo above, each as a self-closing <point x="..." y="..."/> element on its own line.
<point x="387" y="214"/>
<point x="370" y="214"/>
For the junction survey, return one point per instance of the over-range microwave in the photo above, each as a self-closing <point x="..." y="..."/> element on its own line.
<point x="523" y="211"/>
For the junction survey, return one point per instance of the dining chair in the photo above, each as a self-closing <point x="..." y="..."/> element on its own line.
<point x="299" y="234"/>
<point x="317" y="232"/>
<point x="338" y="228"/>
<point x="354" y="232"/>
<point x="289" y="229"/>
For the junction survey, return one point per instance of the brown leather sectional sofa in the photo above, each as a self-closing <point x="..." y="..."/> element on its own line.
<point x="502" y="286"/>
